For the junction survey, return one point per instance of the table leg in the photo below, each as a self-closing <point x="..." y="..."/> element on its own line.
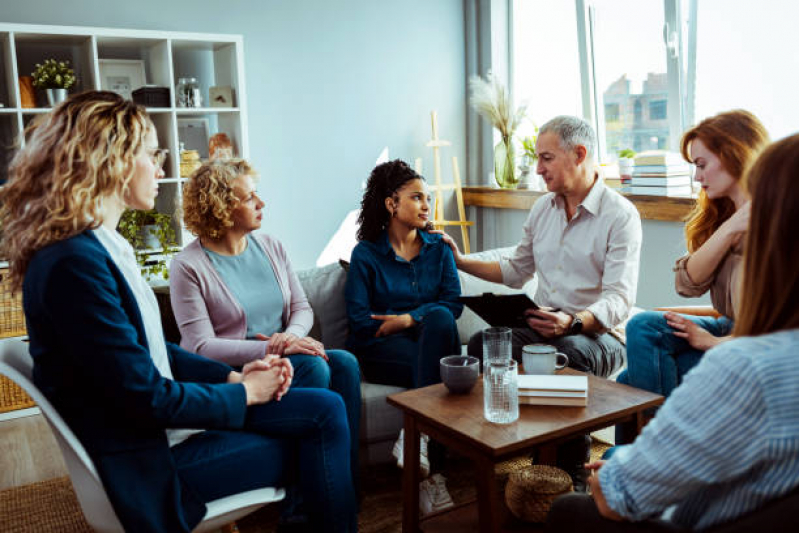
<point x="489" y="505"/>
<point x="632" y="428"/>
<point x="547" y="454"/>
<point x="410" y="477"/>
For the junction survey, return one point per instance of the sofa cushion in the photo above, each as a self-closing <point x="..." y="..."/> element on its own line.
<point x="379" y="420"/>
<point x="324" y="288"/>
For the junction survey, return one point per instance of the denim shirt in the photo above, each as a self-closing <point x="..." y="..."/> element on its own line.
<point x="381" y="283"/>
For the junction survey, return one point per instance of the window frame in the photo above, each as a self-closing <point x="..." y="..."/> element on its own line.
<point x="679" y="35"/>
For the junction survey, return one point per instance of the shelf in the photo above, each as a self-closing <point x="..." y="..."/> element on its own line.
<point x="205" y="110"/>
<point x="216" y="60"/>
<point x="673" y="209"/>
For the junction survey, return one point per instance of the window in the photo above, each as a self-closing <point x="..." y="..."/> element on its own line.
<point x="657" y="110"/>
<point x="612" y="112"/>
<point x="746" y="58"/>
<point x="545" y="63"/>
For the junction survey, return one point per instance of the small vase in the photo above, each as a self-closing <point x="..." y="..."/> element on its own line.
<point x="55" y="96"/>
<point x="505" y="164"/>
<point x="529" y="178"/>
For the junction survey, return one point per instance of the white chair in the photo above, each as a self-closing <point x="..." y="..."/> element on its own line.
<point x="16" y="364"/>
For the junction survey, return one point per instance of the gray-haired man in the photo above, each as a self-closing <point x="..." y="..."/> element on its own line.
<point x="584" y="241"/>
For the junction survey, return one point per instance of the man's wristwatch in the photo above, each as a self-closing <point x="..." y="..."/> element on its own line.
<point x="576" y="326"/>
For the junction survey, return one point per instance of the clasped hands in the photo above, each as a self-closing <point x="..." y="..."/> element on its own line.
<point x="265" y="379"/>
<point x="281" y="344"/>
<point x="548" y="322"/>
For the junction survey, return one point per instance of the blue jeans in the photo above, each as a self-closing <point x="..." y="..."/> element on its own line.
<point x="342" y="375"/>
<point x="308" y="426"/>
<point x="657" y="359"/>
<point x="411" y="358"/>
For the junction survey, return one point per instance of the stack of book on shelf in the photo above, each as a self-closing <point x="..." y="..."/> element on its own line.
<point x="553" y="390"/>
<point x="661" y="173"/>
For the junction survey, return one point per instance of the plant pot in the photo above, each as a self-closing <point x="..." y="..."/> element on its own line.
<point x="505" y="164"/>
<point x="55" y="96"/>
<point x="529" y="178"/>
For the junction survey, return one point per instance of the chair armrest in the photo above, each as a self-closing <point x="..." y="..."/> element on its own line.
<point x="699" y="310"/>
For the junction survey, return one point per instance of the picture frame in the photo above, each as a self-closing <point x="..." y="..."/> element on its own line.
<point x="193" y="133"/>
<point x="122" y="76"/>
<point x="220" y="96"/>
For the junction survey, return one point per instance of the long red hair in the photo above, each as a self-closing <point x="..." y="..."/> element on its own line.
<point x="735" y="137"/>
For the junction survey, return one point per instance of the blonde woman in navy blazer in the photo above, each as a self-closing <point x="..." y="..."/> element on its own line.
<point x="167" y="430"/>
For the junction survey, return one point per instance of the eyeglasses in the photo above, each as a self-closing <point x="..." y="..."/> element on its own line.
<point x="159" y="156"/>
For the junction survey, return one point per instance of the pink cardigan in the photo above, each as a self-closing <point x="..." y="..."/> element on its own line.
<point x="211" y="321"/>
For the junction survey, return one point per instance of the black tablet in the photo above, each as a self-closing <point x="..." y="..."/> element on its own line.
<point x="500" y="309"/>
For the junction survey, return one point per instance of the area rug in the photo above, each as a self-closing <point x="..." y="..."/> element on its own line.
<point x="51" y="506"/>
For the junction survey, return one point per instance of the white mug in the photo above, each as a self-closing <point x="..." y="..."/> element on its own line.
<point x="542" y="359"/>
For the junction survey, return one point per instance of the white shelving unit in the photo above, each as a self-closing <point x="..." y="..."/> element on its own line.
<point x="214" y="59"/>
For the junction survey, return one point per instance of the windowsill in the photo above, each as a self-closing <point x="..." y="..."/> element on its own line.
<point x="669" y="208"/>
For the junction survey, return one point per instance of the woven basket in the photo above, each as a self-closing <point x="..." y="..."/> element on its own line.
<point x="12" y="318"/>
<point x="12" y="324"/>
<point x="529" y="493"/>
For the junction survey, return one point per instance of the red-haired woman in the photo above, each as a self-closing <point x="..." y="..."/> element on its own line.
<point x="663" y="347"/>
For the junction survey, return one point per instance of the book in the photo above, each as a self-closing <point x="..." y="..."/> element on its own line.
<point x="658" y="157"/>
<point x="550" y="400"/>
<point x="535" y="389"/>
<point x="661" y="170"/>
<point x="552" y="383"/>
<point x="664" y="181"/>
<point x="500" y="309"/>
<point x="679" y="190"/>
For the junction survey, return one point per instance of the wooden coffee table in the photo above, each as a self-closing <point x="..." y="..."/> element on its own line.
<point x="457" y="422"/>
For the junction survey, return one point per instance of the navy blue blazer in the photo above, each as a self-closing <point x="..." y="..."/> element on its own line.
<point x="92" y="361"/>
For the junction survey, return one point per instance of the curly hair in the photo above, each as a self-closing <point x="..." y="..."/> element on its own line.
<point x="208" y="197"/>
<point x="74" y="157"/>
<point x="736" y="138"/>
<point x="384" y="182"/>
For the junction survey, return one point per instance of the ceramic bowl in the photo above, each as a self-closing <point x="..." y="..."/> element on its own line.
<point x="459" y="372"/>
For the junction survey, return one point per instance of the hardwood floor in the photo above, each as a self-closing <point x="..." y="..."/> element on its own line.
<point x="29" y="452"/>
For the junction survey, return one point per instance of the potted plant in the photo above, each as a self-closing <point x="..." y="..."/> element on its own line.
<point x="55" y="77"/>
<point x="626" y="164"/>
<point x="152" y="237"/>
<point x="491" y="99"/>
<point x="529" y="162"/>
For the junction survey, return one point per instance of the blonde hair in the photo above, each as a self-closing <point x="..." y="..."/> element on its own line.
<point x="735" y="137"/>
<point x="770" y="275"/>
<point x="208" y="197"/>
<point x="74" y="157"/>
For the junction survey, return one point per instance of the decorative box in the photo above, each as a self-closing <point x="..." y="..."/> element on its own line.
<point x="152" y="96"/>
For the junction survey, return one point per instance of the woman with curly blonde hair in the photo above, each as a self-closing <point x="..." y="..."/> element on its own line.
<point x="236" y="297"/>
<point x="95" y="332"/>
<point x="662" y="347"/>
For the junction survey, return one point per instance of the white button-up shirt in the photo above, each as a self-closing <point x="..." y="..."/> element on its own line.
<point x="124" y="257"/>
<point x="587" y="263"/>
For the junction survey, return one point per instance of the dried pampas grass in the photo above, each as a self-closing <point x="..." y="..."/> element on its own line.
<point x="491" y="99"/>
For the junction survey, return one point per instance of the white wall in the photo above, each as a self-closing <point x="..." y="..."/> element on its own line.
<point x="329" y="84"/>
<point x="663" y="243"/>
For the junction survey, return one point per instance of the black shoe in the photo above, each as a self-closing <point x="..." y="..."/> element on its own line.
<point x="572" y="456"/>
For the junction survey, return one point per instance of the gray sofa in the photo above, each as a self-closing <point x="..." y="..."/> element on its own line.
<point x="324" y="287"/>
<point x="380" y="422"/>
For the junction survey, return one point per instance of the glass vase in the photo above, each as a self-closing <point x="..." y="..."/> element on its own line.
<point x="505" y="164"/>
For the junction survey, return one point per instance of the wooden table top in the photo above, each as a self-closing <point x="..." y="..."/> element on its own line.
<point x="608" y="403"/>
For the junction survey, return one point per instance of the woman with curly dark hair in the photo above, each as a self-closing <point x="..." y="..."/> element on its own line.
<point x="402" y="295"/>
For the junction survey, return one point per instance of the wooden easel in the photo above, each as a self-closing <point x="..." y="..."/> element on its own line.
<point x="438" y="205"/>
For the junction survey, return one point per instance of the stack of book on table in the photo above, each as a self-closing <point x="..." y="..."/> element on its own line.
<point x="553" y="390"/>
<point x="661" y="173"/>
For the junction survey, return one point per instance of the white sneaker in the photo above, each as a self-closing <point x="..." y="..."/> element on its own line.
<point x="398" y="452"/>
<point x="433" y="495"/>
